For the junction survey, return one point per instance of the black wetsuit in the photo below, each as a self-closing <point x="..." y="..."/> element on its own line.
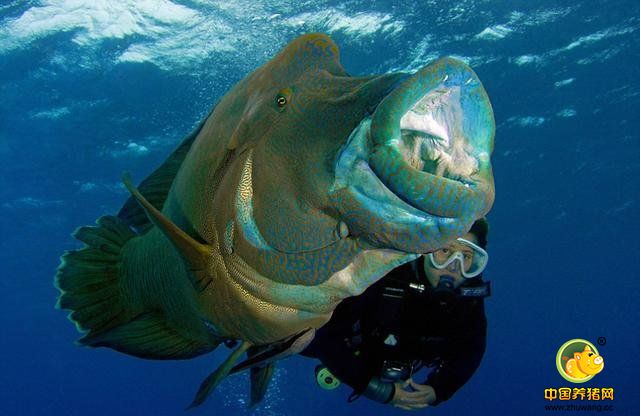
<point x="446" y="335"/>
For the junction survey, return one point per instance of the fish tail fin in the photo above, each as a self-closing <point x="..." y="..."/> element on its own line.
<point x="88" y="278"/>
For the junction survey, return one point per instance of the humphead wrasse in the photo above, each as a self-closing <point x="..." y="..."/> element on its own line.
<point x="302" y="187"/>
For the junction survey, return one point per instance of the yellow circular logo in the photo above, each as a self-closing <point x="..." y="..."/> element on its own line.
<point x="578" y="361"/>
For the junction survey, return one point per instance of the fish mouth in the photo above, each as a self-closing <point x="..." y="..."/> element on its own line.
<point x="418" y="170"/>
<point x="429" y="138"/>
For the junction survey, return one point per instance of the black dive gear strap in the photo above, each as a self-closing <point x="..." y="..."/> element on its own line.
<point x="447" y="294"/>
<point x="482" y="289"/>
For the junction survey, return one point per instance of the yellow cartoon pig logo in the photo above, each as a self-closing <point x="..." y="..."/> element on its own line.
<point x="578" y="361"/>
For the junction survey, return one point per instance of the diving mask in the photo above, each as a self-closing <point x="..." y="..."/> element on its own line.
<point x="471" y="258"/>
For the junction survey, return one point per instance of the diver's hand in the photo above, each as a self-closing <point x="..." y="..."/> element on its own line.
<point x="422" y="397"/>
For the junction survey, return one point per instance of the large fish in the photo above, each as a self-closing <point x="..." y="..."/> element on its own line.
<point x="302" y="187"/>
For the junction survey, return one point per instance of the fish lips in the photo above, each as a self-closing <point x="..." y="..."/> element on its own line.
<point x="445" y="100"/>
<point x="417" y="173"/>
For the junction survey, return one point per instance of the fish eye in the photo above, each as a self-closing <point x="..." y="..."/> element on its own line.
<point x="281" y="100"/>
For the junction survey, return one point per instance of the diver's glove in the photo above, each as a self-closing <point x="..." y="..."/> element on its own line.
<point x="412" y="396"/>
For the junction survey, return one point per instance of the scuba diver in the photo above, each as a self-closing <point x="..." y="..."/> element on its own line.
<point x="425" y="313"/>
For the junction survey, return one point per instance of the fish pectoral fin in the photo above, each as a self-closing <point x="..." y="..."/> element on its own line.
<point x="150" y="336"/>
<point x="260" y="378"/>
<point x="259" y="359"/>
<point x="196" y="253"/>
<point x="213" y="379"/>
<point x="264" y="355"/>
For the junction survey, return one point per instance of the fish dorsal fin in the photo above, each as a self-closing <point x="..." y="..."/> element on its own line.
<point x="193" y="251"/>
<point x="155" y="187"/>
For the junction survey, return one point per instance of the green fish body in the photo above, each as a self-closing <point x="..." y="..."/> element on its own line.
<point x="302" y="187"/>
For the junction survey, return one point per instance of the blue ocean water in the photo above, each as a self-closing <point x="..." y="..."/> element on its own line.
<point x="89" y="89"/>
